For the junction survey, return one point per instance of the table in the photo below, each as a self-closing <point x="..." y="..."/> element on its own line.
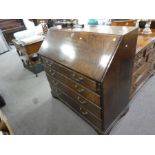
<point x="27" y="53"/>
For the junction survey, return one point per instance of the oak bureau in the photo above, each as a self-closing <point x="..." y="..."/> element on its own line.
<point x="90" y="70"/>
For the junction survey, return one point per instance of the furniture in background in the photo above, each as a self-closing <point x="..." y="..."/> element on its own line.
<point x="55" y="22"/>
<point x="28" y="55"/>
<point x="3" y="44"/>
<point x="125" y="22"/>
<point x="10" y="26"/>
<point x="27" y="44"/>
<point x="144" y="61"/>
<point x="90" y="70"/>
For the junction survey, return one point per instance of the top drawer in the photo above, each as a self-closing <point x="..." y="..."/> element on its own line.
<point x="88" y="83"/>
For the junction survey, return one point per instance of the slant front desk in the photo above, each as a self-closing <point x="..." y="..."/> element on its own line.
<point x="90" y="69"/>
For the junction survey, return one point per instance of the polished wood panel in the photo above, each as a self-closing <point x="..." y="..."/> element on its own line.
<point x="27" y="50"/>
<point x="116" y="84"/>
<point x="90" y="69"/>
<point x="82" y="50"/>
<point x="33" y="48"/>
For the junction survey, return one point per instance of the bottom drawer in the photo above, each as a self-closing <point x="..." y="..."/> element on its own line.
<point x="140" y="72"/>
<point x="142" y="78"/>
<point x="85" y="114"/>
<point x="135" y="86"/>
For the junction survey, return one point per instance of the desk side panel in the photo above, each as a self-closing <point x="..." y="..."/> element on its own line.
<point x="116" y="84"/>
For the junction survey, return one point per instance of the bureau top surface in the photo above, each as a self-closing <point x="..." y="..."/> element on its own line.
<point x="85" y="50"/>
<point x="144" y="40"/>
<point x="116" y="30"/>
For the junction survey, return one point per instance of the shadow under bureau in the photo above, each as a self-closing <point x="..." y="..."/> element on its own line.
<point x="90" y="69"/>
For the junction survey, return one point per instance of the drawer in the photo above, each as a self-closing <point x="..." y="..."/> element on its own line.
<point x="138" y="64"/>
<point x="141" y="79"/>
<point x="86" y="93"/>
<point x="152" y="56"/>
<point x="136" y="85"/>
<point x="88" y="83"/>
<point x="80" y="110"/>
<point x="139" y="55"/>
<point x="148" y="50"/>
<point x="143" y="53"/>
<point x="95" y="110"/>
<point x="140" y="71"/>
<point x="141" y="74"/>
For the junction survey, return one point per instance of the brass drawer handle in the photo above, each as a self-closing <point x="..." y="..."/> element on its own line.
<point x="58" y="92"/>
<point x="54" y="82"/>
<point x="82" y="102"/>
<point x="52" y="73"/>
<point x="77" y="79"/>
<point x="140" y="55"/>
<point x="83" y="112"/>
<point x="80" y="78"/>
<point x="51" y="64"/>
<point x="80" y="90"/>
